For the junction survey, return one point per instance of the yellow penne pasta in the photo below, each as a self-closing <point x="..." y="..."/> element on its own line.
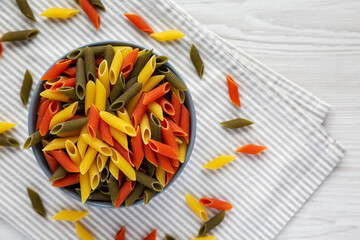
<point x="205" y="238"/>
<point x="59" y="12"/>
<point x="89" y="96"/>
<point x="87" y="160"/>
<point x="73" y="152"/>
<point x="120" y="137"/>
<point x="145" y="129"/>
<point x="115" y="66"/>
<point x="182" y="150"/>
<point x="167" y="35"/>
<point x="141" y="52"/>
<point x="64" y="114"/>
<point x="114" y="170"/>
<point x="126" y="52"/>
<point x="101" y="161"/>
<point x="160" y="175"/>
<point x="59" y="143"/>
<point x="104" y="76"/>
<point x="118" y="123"/>
<point x="121" y="48"/>
<point x="81" y="144"/>
<point x="179" y="94"/>
<point x="4" y="126"/>
<point x="67" y="215"/>
<point x="69" y="134"/>
<point x="94" y="176"/>
<point x="123" y="165"/>
<point x="97" y="144"/>
<point x="82" y="233"/>
<point x="218" y="162"/>
<point x="147" y="71"/>
<point x="100" y="96"/>
<point x="123" y="114"/>
<point x="85" y="187"/>
<point x="157" y="110"/>
<point x="57" y="96"/>
<point x="178" y="140"/>
<point x="132" y="104"/>
<point x="197" y="208"/>
<point x="152" y="82"/>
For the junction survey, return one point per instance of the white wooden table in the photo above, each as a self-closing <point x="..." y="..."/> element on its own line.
<point x="317" y="45"/>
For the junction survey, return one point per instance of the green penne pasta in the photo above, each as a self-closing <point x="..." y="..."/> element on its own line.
<point x="107" y="107"/>
<point x="104" y="189"/>
<point x="98" y="196"/>
<point x="77" y="53"/>
<point x="97" y="4"/>
<point x="196" y="60"/>
<point x="79" y="108"/>
<point x="109" y="54"/>
<point x="211" y="223"/>
<point x="19" y="35"/>
<point x="161" y="60"/>
<point x="33" y="139"/>
<point x="80" y="82"/>
<point x="26" y="87"/>
<point x="90" y="68"/>
<point x="155" y="127"/>
<point x="171" y="77"/>
<point x="134" y="195"/>
<point x="36" y="202"/>
<point x="70" y="92"/>
<point x="236" y="123"/>
<point x="8" y="141"/>
<point x="68" y="126"/>
<point x="121" y="101"/>
<point x="25" y="9"/>
<point x="118" y="88"/>
<point x="150" y="167"/>
<point x="148" y="181"/>
<point x="168" y="237"/>
<point x="59" y="173"/>
<point x="130" y="82"/>
<point x="113" y="186"/>
<point x="148" y="195"/>
<point x="104" y="175"/>
<point x="140" y="63"/>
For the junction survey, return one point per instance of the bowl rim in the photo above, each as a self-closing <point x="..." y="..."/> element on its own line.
<point x="41" y="159"/>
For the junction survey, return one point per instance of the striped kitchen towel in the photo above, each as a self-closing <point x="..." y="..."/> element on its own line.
<point x="266" y="190"/>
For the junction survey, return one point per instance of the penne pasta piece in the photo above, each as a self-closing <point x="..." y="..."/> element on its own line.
<point x="55" y="96"/>
<point x="19" y="35"/>
<point x="25" y="9"/>
<point x="147" y="71"/>
<point x="134" y="195"/>
<point x="70" y="71"/>
<point x="145" y="129"/>
<point x="161" y="60"/>
<point x="69" y="126"/>
<point x="69" y="180"/>
<point x="171" y="77"/>
<point x="8" y="141"/>
<point x="185" y="122"/>
<point x="138" y="112"/>
<point x="251" y="149"/>
<point x="233" y="91"/>
<point x="109" y="54"/>
<point x="156" y="93"/>
<point x="59" y="143"/>
<point x="115" y="67"/>
<point x="140" y="63"/>
<point x="51" y="111"/>
<point x="101" y="161"/>
<point x="65" y="161"/>
<point x="148" y="195"/>
<point x="70" y="92"/>
<point x="120" y="235"/>
<point x="167" y="35"/>
<point x="169" y="176"/>
<point x="150" y="168"/>
<point x="81" y="144"/>
<point x="5" y="126"/>
<point x="123" y="165"/>
<point x="79" y="53"/>
<point x="26" y="87"/>
<point x="51" y="161"/>
<point x="113" y="186"/>
<point x="87" y="160"/>
<point x="94" y="176"/>
<point x="97" y="144"/>
<point x="236" y="123"/>
<point x="162" y="149"/>
<point x="152" y="82"/>
<point x="70" y="133"/>
<point x="175" y="102"/>
<point x="105" y="133"/>
<point x="151" y="236"/>
<point x="211" y="224"/>
<point x="129" y="62"/>
<point x="179" y="94"/>
<point x="91" y="13"/>
<point x="59" y="173"/>
<point x="132" y="104"/>
<point x="182" y="151"/>
<point x="118" y="88"/>
<point x="166" y="106"/>
<point x="120" y="137"/>
<point x="156" y="109"/>
<point x="97" y="4"/>
<point x="33" y="139"/>
<point x="130" y="82"/>
<point x="36" y="202"/>
<point x="150" y="155"/>
<point x="85" y="186"/>
<point x="160" y="175"/>
<point x="93" y="121"/>
<point x="168" y="136"/>
<point x="155" y="128"/>
<point x="218" y="162"/>
<point x="124" y="192"/>
<point x="89" y="61"/>
<point x="56" y="69"/>
<point x="148" y="181"/>
<point x="68" y="215"/>
<point x="125" y="153"/>
<point x="196" y="60"/>
<point x="80" y="79"/>
<point x="126" y="97"/>
<point x="168" y="237"/>
<point x="139" y="22"/>
<point x="103" y="73"/>
<point x="64" y="115"/>
<point x="196" y="207"/>
<point x="73" y="152"/>
<point x="178" y="131"/>
<point x="59" y="12"/>
<point x="138" y="148"/>
<point x="114" y="170"/>
<point x="165" y="163"/>
<point x="82" y="233"/>
<point x="118" y="123"/>
<point x="100" y="95"/>
<point x="215" y="203"/>
<point x="65" y="82"/>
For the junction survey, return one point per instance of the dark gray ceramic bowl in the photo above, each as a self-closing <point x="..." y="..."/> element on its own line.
<point x="70" y="191"/>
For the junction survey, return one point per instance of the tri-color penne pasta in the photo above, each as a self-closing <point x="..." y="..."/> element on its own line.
<point x="112" y="128"/>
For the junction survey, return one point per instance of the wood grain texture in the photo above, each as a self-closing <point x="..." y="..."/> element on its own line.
<point x="315" y="44"/>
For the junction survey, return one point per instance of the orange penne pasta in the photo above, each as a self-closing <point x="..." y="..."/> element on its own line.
<point x="168" y="135"/>
<point x="177" y="130"/>
<point x="120" y="235"/>
<point x="57" y="69"/>
<point x="156" y="93"/>
<point x="233" y="91"/>
<point x="138" y="149"/>
<point x="175" y="102"/>
<point x="174" y="162"/>
<point x="251" y="149"/>
<point x="93" y="121"/>
<point x="151" y="236"/>
<point x="169" y="176"/>
<point x="129" y="62"/>
<point x="70" y="71"/>
<point x="139" y="22"/>
<point x="185" y="122"/>
<point x="162" y="149"/>
<point x="138" y="111"/>
<point x="68" y="82"/>
<point x="41" y="112"/>
<point x="91" y="13"/>
<point x="166" y="106"/>
<point x="68" y="180"/>
<point x="52" y="109"/>
<point x="41" y="101"/>
<point x="123" y="152"/>
<point x="150" y="155"/>
<point x="98" y="60"/>
<point x="52" y="162"/>
<point x="215" y="203"/>
<point x="105" y="133"/>
<point x="165" y="163"/>
<point x="64" y="160"/>
<point x="124" y="192"/>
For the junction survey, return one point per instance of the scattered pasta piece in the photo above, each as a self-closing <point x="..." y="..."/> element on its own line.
<point x="219" y="162"/>
<point x="5" y="126"/>
<point x="98" y="4"/>
<point x="215" y="203"/>
<point x="151" y="236"/>
<point x="120" y="235"/>
<point x="91" y="13"/>
<point x="237" y="123"/>
<point x="167" y="35"/>
<point x="139" y="22"/>
<point x="25" y="9"/>
<point x="211" y="223"/>
<point x="19" y="35"/>
<point x="251" y="149"/>
<point x="197" y="208"/>
<point x="233" y="91"/>
<point x="168" y="237"/>
<point x="36" y="202"/>
<point x="82" y="233"/>
<point x="196" y="60"/>
<point x="59" y="12"/>
<point x="68" y="215"/>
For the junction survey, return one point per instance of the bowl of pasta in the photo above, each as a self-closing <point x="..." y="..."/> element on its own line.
<point x="112" y="124"/>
